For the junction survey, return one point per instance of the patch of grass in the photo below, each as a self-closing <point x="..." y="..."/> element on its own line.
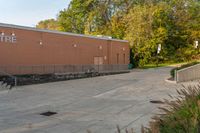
<point x="174" y="64"/>
<point x="147" y="66"/>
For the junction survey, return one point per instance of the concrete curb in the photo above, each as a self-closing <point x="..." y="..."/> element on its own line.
<point x="170" y="81"/>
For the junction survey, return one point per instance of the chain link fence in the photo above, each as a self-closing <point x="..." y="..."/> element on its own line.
<point x="52" y="69"/>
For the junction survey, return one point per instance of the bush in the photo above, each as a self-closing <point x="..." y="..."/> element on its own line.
<point x="172" y="72"/>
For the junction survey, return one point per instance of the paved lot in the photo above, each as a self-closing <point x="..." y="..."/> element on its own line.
<point x="98" y="104"/>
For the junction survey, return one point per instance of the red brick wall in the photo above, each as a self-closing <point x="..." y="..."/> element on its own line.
<point x="58" y="49"/>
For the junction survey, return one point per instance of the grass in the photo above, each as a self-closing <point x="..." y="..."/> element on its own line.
<point x="147" y="66"/>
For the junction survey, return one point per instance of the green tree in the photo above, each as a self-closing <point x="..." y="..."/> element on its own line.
<point x="144" y="23"/>
<point x="184" y="17"/>
<point x="50" y="24"/>
<point x="146" y="29"/>
<point x="73" y="18"/>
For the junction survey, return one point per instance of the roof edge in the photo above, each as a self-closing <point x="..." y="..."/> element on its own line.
<point x="56" y="32"/>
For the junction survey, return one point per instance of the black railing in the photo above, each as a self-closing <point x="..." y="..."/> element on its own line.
<point x="7" y="80"/>
<point x="50" y="73"/>
<point x="52" y="69"/>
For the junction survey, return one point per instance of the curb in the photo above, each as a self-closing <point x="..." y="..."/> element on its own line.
<point x="170" y="81"/>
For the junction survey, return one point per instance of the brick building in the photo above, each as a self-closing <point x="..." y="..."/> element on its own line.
<point x="26" y="50"/>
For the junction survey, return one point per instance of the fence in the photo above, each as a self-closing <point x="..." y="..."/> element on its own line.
<point x="51" y="69"/>
<point x="13" y="78"/>
<point x="188" y="74"/>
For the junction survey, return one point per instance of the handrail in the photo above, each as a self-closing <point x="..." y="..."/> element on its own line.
<point x="12" y="70"/>
<point x="11" y="76"/>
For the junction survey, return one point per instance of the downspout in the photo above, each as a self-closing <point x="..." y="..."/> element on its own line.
<point x="109" y="52"/>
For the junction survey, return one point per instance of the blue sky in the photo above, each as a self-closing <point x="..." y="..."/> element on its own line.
<point x="30" y="12"/>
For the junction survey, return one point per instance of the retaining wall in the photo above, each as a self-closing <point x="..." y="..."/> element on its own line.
<point x="188" y="74"/>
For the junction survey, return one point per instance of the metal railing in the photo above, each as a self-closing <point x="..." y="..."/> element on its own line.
<point x="188" y="74"/>
<point x="14" y="78"/>
<point x="52" y="69"/>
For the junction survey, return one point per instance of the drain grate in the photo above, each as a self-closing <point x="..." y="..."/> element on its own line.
<point x="48" y="113"/>
<point x="156" y="101"/>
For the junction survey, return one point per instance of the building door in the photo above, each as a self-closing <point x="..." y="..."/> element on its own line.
<point x="98" y="60"/>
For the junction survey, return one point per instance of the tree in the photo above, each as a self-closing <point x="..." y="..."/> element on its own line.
<point x="144" y="23"/>
<point x="184" y="16"/>
<point x="143" y="32"/>
<point x="73" y="18"/>
<point x="50" y="24"/>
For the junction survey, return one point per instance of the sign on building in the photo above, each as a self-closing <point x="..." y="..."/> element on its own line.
<point x="8" y="38"/>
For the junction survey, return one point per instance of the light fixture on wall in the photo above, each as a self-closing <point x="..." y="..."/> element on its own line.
<point x="13" y="34"/>
<point x="40" y="42"/>
<point x="123" y="49"/>
<point x="41" y="39"/>
<point x="100" y="47"/>
<point x="2" y="33"/>
<point x="74" y="45"/>
<point x="105" y="57"/>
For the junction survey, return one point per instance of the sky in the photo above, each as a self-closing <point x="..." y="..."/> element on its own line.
<point x="30" y="12"/>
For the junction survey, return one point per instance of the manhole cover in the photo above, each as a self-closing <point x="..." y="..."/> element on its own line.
<point x="48" y="113"/>
<point x="156" y="101"/>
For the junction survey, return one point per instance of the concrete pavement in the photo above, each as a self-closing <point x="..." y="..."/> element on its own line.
<point x="97" y="104"/>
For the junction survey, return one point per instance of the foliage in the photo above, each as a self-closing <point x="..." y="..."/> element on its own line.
<point x="144" y="33"/>
<point x="172" y="72"/>
<point x="175" y="24"/>
<point x="50" y="24"/>
<point x="73" y="18"/>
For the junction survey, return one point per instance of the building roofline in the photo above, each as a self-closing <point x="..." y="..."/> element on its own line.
<point x="56" y="32"/>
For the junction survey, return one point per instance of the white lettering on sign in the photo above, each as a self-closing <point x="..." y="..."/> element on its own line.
<point x="8" y="39"/>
